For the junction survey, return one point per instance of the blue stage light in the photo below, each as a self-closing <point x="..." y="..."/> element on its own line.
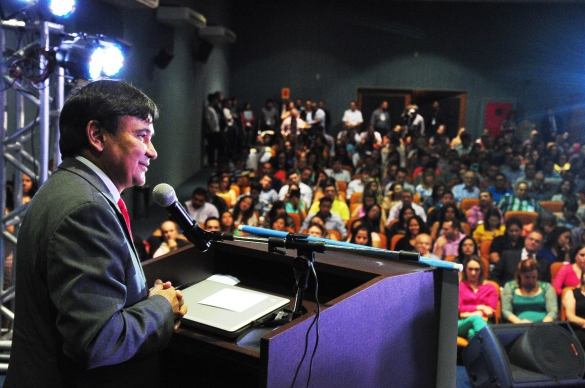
<point x="62" y="8"/>
<point x="90" y="57"/>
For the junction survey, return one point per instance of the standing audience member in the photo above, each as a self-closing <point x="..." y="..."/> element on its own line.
<point x="526" y="299"/>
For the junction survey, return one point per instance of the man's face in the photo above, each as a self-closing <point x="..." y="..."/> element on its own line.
<point x="400" y="177"/>
<point x="330" y="192"/>
<point x="384" y="105"/>
<point x="423" y="244"/>
<point x="294" y="179"/>
<point x="500" y="183"/>
<point x="352" y="106"/>
<point x="266" y="182"/>
<point x="306" y="175"/>
<point x="126" y="155"/>
<point x="213" y="226"/>
<point x="538" y="180"/>
<point x="197" y="201"/>
<point x="406" y="198"/>
<point x="533" y="242"/>
<point x="522" y="191"/>
<point x="448" y="230"/>
<point x="325" y="207"/>
<point x="336" y="166"/>
<point x="213" y="188"/>
<point x="447" y="198"/>
<point x="169" y="230"/>
<point x="485" y="199"/>
<point x="529" y="170"/>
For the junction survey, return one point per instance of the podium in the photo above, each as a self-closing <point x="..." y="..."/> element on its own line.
<point x="382" y="323"/>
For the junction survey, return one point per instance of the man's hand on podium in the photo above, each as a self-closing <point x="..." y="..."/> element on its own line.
<point x="174" y="296"/>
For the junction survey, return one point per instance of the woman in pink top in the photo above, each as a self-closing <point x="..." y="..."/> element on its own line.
<point x="569" y="275"/>
<point x="478" y="300"/>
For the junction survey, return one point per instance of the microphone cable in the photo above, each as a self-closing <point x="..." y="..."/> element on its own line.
<point x="316" y="324"/>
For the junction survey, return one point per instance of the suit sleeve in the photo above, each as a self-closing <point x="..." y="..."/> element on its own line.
<point x="103" y="313"/>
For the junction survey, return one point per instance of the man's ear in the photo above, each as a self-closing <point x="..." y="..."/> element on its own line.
<point x="95" y="134"/>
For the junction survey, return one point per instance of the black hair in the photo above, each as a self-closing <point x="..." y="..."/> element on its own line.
<point x="103" y="101"/>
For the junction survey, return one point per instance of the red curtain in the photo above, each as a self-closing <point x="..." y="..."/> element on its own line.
<point x="495" y="114"/>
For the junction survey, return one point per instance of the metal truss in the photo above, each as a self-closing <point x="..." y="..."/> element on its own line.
<point x="30" y="140"/>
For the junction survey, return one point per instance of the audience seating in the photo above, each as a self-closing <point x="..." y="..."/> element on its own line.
<point x="554" y="269"/>
<point x="466" y="229"/>
<point x="395" y="240"/>
<point x="297" y="220"/>
<point x="355" y="198"/>
<point x="467" y="203"/>
<point x="525" y="217"/>
<point x="341" y="186"/>
<point x="348" y="168"/>
<point x="498" y="312"/>
<point x="349" y="224"/>
<point x="334" y="234"/>
<point x="236" y="190"/>
<point x="563" y="313"/>
<point x="552" y="206"/>
<point x="383" y="241"/>
<point x="451" y="258"/>
<point x="354" y="206"/>
<point x="484" y="250"/>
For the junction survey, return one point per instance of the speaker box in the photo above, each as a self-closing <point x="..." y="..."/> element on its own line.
<point x="525" y="355"/>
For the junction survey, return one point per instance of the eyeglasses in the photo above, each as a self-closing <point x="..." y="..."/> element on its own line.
<point x="473" y="269"/>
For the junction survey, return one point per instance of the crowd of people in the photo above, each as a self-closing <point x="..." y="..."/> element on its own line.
<point x="408" y="186"/>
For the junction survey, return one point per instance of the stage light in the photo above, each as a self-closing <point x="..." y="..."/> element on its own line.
<point x="90" y="57"/>
<point x="62" y="8"/>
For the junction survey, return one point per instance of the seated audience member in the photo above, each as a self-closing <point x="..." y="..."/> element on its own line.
<point x="337" y="172"/>
<point x="520" y="201"/>
<point x="278" y="223"/>
<point x="424" y="244"/>
<point x="295" y="179"/>
<point x="198" y="208"/>
<point x="317" y="230"/>
<point x="538" y="189"/>
<point x="570" y="219"/>
<point x="361" y="236"/>
<point x="574" y="304"/>
<point x="557" y="246"/>
<point x="511" y="240"/>
<point x="446" y="212"/>
<point x="400" y="226"/>
<point x="212" y="224"/>
<point x="437" y="212"/>
<point x="368" y="200"/>
<point x="545" y="222"/>
<point x="406" y="201"/>
<point x="293" y="202"/>
<point x="569" y="274"/>
<point x="227" y="223"/>
<point x="527" y="299"/>
<point x="212" y="198"/>
<point x="565" y="191"/>
<point x="243" y="212"/>
<point x="491" y="228"/>
<point x="338" y="206"/>
<point x="478" y="300"/>
<point x="467" y="189"/>
<point x="415" y="226"/>
<point x="434" y="199"/>
<point x="278" y="209"/>
<point x="225" y="192"/>
<point x="448" y="243"/>
<point x="505" y="269"/>
<point x="393" y="197"/>
<point x="172" y="239"/>
<point x="513" y="170"/>
<point x="425" y="188"/>
<point x="374" y="218"/>
<point x="332" y="221"/>
<point x="476" y="214"/>
<point x="467" y="248"/>
<point x="268" y="195"/>
<point x="400" y="178"/>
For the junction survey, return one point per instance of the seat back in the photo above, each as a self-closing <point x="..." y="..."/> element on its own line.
<point x="467" y="203"/>
<point x="498" y="312"/>
<point x="552" y="206"/>
<point x="355" y="198"/>
<point x="297" y="220"/>
<point x="395" y="240"/>
<point x="341" y="186"/>
<point x="563" y="313"/>
<point x="554" y="269"/>
<point x="525" y="217"/>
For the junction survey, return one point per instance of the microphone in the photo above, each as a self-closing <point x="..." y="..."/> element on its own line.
<point x="164" y="195"/>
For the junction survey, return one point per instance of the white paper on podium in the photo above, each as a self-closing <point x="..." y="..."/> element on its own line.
<point x="233" y="300"/>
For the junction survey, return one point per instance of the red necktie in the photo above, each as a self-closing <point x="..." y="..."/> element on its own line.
<point x="124" y="211"/>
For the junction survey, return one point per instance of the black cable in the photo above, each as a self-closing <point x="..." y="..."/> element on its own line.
<point x="316" y="324"/>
